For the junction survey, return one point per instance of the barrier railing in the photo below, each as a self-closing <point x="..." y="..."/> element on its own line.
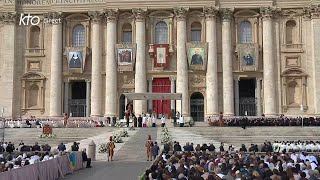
<point x="46" y="170"/>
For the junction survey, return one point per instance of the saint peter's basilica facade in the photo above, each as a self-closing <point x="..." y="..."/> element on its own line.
<point x="239" y="57"/>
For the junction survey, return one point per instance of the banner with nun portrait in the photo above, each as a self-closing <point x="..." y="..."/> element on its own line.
<point x="76" y="58"/>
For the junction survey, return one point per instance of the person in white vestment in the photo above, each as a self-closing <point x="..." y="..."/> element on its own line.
<point x="163" y="121"/>
<point x="144" y="121"/>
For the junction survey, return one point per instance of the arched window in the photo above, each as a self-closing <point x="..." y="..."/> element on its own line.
<point x="245" y="32"/>
<point x="196" y="31"/>
<point x="127" y="33"/>
<point x="34" y="37"/>
<point x="161" y="33"/>
<point x="33" y="96"/>
<point x="78" y="36"/>
<point x="290" y="31"/>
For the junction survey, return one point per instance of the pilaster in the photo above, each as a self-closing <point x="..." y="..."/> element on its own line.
<point x="8" y="75"/>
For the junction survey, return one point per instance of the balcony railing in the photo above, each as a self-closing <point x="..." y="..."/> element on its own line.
<point x="292" y="48"/>
<point x="34" y="52"/>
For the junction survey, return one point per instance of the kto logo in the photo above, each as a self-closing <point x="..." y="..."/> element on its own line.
<point x="35" y="20"/>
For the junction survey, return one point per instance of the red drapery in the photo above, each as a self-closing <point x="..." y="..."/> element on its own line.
<point x="161" y="85"/>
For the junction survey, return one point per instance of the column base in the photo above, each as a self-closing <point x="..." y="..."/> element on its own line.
<point x="228" y="114"/>
<point x="95" y="116"/>
<point x="270" y="115"/>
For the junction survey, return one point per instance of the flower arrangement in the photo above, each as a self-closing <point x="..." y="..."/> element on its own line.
<point x="166" y="137"/>
<point x="117" y="138"/>
<point x="47" y="136"/>
<point x="118" y="124"/>
<point x="103" y="148"/>
<point x="124" y="133"/>
<point x="191" y="122"/>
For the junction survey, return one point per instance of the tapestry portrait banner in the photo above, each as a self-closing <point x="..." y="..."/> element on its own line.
<point x="161" y="55"/>
<point x="197" y="55"/>
<point x="248" y="57"/>
<point x="125" y="56"/>
<point x="76" y="57"/>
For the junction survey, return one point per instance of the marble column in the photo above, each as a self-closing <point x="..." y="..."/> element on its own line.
<point x="258" y="97"/>
<point x="150" y="102"/>
<point x="56" y="69"/>
<point x="8" y="58"/>
<point x="140" y="84"/>
<point x="269" y="87"/>
<point x="88" y="95"/>
<point x="212" y="69"/>
<point x="173" y="90"/>
<point x="315" y="56"/>
<point x="96" y="78"/>
<point x="228" y="96"/>
<point x="111" y="66"/>
<point x="182" y="64"/>
<point x="236" y="96"/>
<point x="66" y="97"/>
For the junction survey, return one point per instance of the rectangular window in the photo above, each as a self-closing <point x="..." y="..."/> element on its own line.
<point x="127" y="36"/>
<point x="195" y="35"/>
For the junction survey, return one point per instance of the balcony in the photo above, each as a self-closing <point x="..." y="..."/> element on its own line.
<point x="35" y="52"/>
<point x="151" y="49"/>
<point x="290" y="48"/>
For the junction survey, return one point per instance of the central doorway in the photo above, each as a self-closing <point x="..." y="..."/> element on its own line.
<point x="161" y="85"/>
<point x="77" y="103"/>
<point x="247" y="98"/>
<point x="197" y="106"/>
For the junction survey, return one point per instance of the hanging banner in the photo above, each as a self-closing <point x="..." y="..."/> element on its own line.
<point x="161" y="55"/>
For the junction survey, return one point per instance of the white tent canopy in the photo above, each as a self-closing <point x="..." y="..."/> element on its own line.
<point x="153" y="96"/>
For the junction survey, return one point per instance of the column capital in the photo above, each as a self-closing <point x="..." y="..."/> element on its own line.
<point x="226" y="14"/>
<point x="139" y="14"/>
<point x="172" y="78"/>
<point x="88" y="81"/>
<point x="54" y="15"/>
<point x="95" y="16"/>
<point x="269" y="12"/>
<point x="210" y="12"/>
<point x="8" y="17"/>
<point x="111" y="15"/>
<point x="180" y="13"/>
<point x="311" y="12"/>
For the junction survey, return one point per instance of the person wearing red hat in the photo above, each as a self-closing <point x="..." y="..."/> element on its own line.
<point x="149" y="145"/>
<point x="110" y="147"/>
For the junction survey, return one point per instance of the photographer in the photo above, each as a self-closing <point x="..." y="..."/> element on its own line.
<point x="75" y="146"/>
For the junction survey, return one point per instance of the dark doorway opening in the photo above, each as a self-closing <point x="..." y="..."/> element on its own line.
<point x="197" y="106"/>
<point x="77" y="103"/>
<point x="122" y="106"/>
<point x="247" y="98"/>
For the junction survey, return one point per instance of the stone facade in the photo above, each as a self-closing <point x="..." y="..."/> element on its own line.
<point x="276" y="44"/>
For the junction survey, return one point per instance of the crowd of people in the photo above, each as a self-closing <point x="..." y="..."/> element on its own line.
<point x="296" y="146"/>
<point x="12" y="157"/>
<point x="243" y="121"/>
<point x="206" y="163"/>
